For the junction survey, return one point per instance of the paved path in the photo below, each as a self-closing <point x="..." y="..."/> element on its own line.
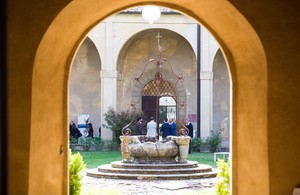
<point x="101" y="186"/>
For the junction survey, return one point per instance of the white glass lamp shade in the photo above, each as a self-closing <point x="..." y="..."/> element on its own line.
<point x="151" y="13"/>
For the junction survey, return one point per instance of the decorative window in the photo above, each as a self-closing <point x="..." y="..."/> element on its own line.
<point x="163" y="88"/>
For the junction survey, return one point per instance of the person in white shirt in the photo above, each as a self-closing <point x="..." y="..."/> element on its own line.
<point x="151" y="128"/>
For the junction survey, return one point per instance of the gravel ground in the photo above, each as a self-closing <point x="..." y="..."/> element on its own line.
<point x="91" y="185"/>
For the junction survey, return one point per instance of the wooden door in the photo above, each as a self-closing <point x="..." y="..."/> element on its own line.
<point x="149" y="107"/>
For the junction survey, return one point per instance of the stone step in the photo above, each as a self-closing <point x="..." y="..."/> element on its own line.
<point x="160" y="170"/>
<point x="175" y="171"/>
<point x="120" y="164"/>
<point x="130" y="176"/>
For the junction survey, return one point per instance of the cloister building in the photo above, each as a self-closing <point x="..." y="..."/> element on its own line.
<point x="111" y="69"/>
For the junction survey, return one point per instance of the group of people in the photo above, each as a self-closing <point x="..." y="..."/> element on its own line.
<point x="167" y="128"/>
<point x="76" y="133"/>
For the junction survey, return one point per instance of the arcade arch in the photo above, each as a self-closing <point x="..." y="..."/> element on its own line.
<point x="85" y="84"/>
<point x="221" y="98"/>
<point x="136" y="70"/>
<point x="50" y="79"/>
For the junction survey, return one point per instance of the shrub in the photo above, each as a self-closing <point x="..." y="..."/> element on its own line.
<point x="76" y="165"/>
<point x="116" y="121"/>
<point x="73" y="140"/>
<point x="197" y="143"/>
<point x="86" y="142"/>
<point x="107" y="145"/>
<point x="98" y="143"/>
<point x="214" y="141"/>
<point x="112" y="145"/>
<point x="223" y="186"/>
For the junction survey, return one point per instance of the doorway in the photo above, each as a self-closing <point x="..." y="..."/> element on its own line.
<point x="167" y="108"/>
<point x="159" y="100"/>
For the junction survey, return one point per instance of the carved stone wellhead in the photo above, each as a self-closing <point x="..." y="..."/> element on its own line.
<point x="146" y="158"/>
<point x="148" y="150"/>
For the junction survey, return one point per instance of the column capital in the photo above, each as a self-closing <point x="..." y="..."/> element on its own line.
<point x="108" y="74"/>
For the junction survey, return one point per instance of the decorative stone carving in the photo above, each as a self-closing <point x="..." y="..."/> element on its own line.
<point x="147" y="150"/>
<point x="183" y="143"/>
<point x="125" y="140"/>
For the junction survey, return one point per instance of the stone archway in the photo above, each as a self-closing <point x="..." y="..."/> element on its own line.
<point x="50" y="79"/>
<point x="134" y="61"/>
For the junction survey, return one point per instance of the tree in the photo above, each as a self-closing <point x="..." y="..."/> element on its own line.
<point x="116" y="121"/>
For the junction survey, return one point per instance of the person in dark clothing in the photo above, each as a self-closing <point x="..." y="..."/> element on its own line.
<point x="75" y="131"/>
<point x="91" y="130"/>
<point x="173" y="126"/>
<point x="100" y="131"/>
<point x="139" y="126"/>
<point x="189" y="125"/>
<point x="71" y="129"/>
<point x="165" y="129"/>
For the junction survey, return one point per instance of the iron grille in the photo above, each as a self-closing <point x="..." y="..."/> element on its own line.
<point x="163" y="88"/>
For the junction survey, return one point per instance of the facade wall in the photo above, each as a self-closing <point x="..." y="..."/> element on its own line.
<point x="180" y="60"/>
<point x="126" y="42"/>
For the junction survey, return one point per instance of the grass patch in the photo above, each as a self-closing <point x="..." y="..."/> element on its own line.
<point x="94" y="159"/>
<point x="203" y="158"/>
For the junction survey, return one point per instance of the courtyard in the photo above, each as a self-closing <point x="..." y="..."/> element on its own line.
<point x="92" y="185"/>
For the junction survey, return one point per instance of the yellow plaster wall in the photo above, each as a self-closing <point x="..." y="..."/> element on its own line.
<point x="26" y="24"/>
<point x="265" y="83"/>
<point x="278" y="26"/>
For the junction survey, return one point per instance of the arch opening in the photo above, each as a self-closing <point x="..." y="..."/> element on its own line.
<point x="248" y="74"/>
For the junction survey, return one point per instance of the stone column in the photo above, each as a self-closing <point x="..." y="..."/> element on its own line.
<point x="209" y="48"/>
<point x="108" y="76"/>
<point x="108" y="97"/>
<point x="103" y="37"/>
<point x="206" y="103"/>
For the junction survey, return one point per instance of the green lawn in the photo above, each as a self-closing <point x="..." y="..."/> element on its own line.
<point x="94" y="159"/>
<point x="203" y="158"/>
